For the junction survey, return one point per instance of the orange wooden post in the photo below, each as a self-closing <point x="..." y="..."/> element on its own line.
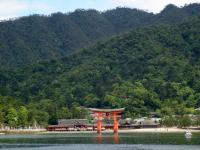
<point x="99" y="138"/>
<point x="115" y="128"/>
<point x="98" y="122"/>
<point x="116" y="138"/>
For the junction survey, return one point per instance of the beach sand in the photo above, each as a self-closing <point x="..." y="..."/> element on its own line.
<point x="155" y="130"/>
<point x="141" y="130"/>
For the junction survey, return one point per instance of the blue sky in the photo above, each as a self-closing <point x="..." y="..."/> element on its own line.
<point x="17" y="8"/>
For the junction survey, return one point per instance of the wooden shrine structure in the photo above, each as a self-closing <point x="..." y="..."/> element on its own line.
<point x="114" y="114"/>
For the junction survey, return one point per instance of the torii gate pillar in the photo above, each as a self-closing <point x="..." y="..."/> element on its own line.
<point x="115" y="121"/>
<point x="99" y="118"/>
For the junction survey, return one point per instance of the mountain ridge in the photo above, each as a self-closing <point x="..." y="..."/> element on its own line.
<point x="148" y="69"/>
<point x="36" y="38"/>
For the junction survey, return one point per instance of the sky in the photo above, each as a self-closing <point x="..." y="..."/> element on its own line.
<point x="17" y="8"/>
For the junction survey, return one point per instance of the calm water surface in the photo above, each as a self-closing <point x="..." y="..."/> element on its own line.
<point x="92" y="141"/>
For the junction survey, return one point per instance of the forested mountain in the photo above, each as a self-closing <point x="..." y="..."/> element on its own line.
<point x="35" y="38"/>
<point x="150" y="69"/>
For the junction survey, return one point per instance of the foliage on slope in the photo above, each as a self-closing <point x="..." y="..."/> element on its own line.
<point x="152" y="69"/>
<point x="31" y="39"/>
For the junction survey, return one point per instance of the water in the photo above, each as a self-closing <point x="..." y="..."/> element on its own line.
<point x="92" y="141"/>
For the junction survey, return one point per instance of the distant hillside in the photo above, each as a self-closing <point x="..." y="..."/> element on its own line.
<point x="151" y="69"/>
<point x="35" y="38"/>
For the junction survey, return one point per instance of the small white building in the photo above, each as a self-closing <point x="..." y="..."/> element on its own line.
<point x="145" y="122"/>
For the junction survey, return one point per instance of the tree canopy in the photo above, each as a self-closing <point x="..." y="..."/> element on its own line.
<point x="36" y="38"/>
<point x="150" y="69"/>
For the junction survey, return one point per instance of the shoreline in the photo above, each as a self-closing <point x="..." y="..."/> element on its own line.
<point x="141" y="130"/>
<point x="22" y="131"/>
<point x="158" y="130"/>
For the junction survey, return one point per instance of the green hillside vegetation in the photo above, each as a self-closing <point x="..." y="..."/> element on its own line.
<point x="150" y="69"/>
<point x="34" y="38"/>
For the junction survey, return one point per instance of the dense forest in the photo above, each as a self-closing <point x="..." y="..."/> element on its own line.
<point x="34" y="38"/>
<point x="149" y="69"/>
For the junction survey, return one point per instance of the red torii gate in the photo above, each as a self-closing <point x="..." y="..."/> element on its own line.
<point x="107" y="113"/>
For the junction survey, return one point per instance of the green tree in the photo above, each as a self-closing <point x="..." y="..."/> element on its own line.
<point x="78" y="112"/>
<point x="64" y="113"/>
<point x="169" y="121"/>
<point x="166" y="111"/>
<point x="22" y="116"/>
<point x="12" y="117"/>
<point x="50" y="107"/>
<point x="197" y="121"/>
<point x="185" y="121"/>
<point x="42" y="118"/>
<point x="91" y="100"/>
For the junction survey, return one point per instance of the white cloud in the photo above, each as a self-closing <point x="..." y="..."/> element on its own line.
<point x="15" y="8"/>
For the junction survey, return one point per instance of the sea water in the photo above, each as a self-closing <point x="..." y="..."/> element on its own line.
<point x="93" y="141"/>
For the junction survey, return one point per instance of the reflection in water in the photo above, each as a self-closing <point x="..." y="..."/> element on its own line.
<point x="104" y="138"/>
<point x="188" y="138"/>
<point x="114" y="139"/>
<point x="99" y="138"/>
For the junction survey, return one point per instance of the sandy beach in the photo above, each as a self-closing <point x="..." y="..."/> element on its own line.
<point x="22" y="131"/>
<point x="142" y="130"/>
<point x="157" y="130"/>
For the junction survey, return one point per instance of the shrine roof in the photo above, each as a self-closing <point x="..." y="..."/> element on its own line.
<point x="106" y="110"/>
